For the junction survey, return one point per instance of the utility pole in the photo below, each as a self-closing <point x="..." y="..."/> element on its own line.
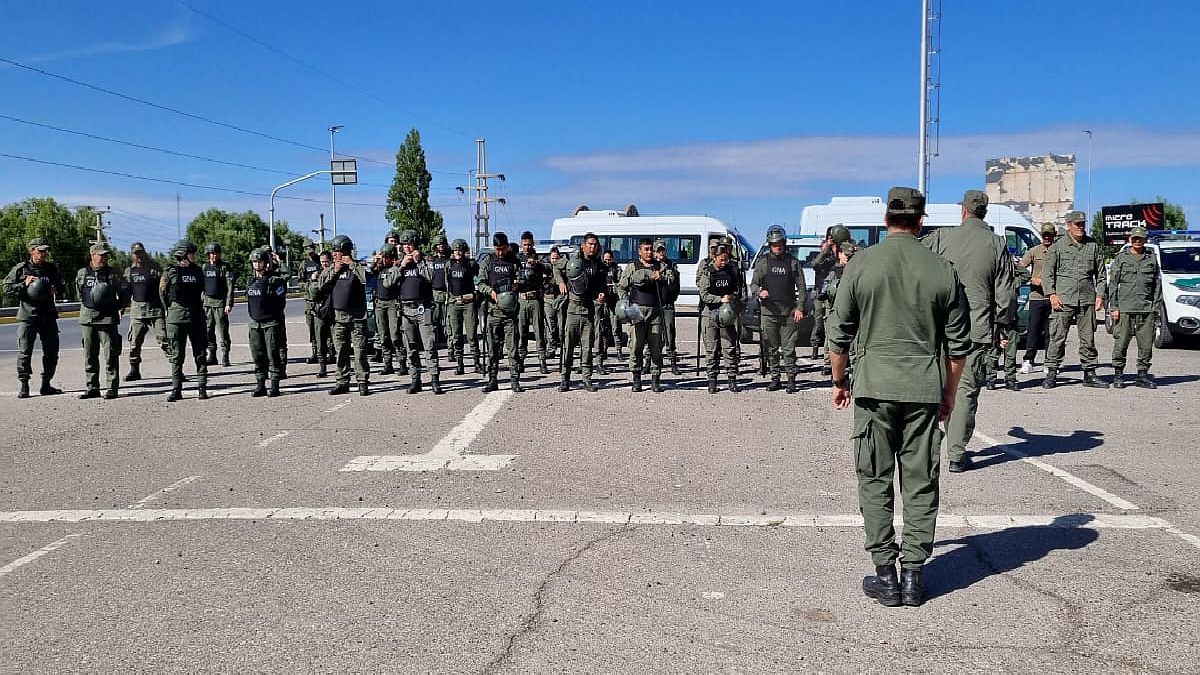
<point x="1089" y="135"/>
<point x="480" y="188"/>
<point x="320" y="232"/>
<point x="930" y="123"/>
<point x="101" y="237"/>
<point x="332" y="185"/>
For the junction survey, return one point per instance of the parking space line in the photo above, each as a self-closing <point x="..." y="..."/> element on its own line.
<point x="267" y="441"/>
<point x="165" y="491"/>
<point x="339" y="406"/>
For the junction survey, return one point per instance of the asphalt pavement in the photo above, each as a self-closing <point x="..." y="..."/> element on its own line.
<point x="604" y="532"/>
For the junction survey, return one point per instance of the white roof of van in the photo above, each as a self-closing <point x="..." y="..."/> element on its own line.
<point x="869" y="211"/>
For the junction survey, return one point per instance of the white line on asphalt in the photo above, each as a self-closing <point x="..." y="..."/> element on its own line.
<point x="1064" y="475"/>
<point x="339" y="406"/>
<point x="167" y="490"/>
<point x="572" y="516"/>
<point x="1189" y="538"/>
<point x="25" y="560"/>
<point x="267" y="441"/>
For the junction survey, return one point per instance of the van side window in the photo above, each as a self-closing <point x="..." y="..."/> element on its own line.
<point x="1019" y="240"/>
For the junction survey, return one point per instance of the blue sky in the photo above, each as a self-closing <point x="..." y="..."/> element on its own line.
<point x="744" y="111"/>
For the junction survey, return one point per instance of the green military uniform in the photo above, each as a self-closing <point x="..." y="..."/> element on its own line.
<point x="102" y="297"/>
<point x="1074" y="272"/>
<point x="721" y="334"/>
<point x="985" y="269"/>
<point x="441" y="297"/>
<point x="322" y="319"/>
<point x="904" y="305"/>
<point x="1135" y="291"/>
<point x="638" y="287"/>
<point x="389" y="322"/>
<point x="669" y="298"/>
<point x="832" y="282"/>
<point x="501" y="276"/>
<point x="145" y="309"/>
<point x="346" y="284"/>
<point x="1038" y="305"/>
<point x="182" y="288"/>
<point x="530" y="312"/>
<point x="585" y="281"/>
<point x="265" y="296"/>
<point x="823" y="265"/>
<point x="276" y="270"/>
<point x="556" y="306"/>
<point x="218" y="302"/>
<point x="608" y="326"/>
<point x="411" y="280"/>
<point x="1008" y="330"/>
<point x="782" y="279"/>
<point x="460" y="306"/>
<point x="306" y="274"/>
<point x="37" y="315"/>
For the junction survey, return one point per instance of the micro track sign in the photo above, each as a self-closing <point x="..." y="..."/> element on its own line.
<point x="1119" y="220"/>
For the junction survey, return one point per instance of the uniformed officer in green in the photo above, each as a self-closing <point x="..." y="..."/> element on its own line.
<point x="1008" y="337"/>
<point x="778" y="282"/>
<point x="1134" y="293"/>
<point x="310" y="269"/>
<point x="844" y="252"/>
<point x="1074" y="281"/>
<point x="145" y="308"/>
<point x="323" y="317"/>
<point x="641" y="285"/>
<point x="102" y="298"/>
<point x="905" y="307"/>
<point x="218" y="302"/>
<point x="722" y="291"/>
<point x="531" y="313"/>
<point x="437" y="269"/>
<point x="36" y="283"/>
<point x="182" y="290"/>
<point x="460" y="305"/>
<point x="388" y="321"/>
<point x="500" y="281"/>
<point x="985" y="269"/>
<point x="412" y="281"/>
<point x="823" y="265"/>
<point x="346" y="283"/>
<point x="669" y="298"/>
<point x="556" y="302"/>
<point x="583" y="281"/>
<point x="265" y="294"/>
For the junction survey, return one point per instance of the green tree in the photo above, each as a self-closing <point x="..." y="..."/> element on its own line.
<point x="408" y="199"/>
<point x="239" y="234"/>
<point x="67" y="232"/>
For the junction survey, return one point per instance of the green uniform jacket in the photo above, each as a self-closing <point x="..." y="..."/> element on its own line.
<point x="325" y="284"/>
<point x="906" y="307"/>
<point x="1036" y="257"/>
<point x="1133" y="284"/>
<point x="711" y="301"/>
<point x="799" y="292"/>
<point x="225" y="270"/>
<point x="147" y="310"/>
<point x="110" y="315"/>
<point x="1074" y="271"/>
<point x="177" y="313"/>
<point x="636" y="275"/>
<point x="29" y="311"/>
<point x="984" y="268"/>
<point x="823" y="264"/>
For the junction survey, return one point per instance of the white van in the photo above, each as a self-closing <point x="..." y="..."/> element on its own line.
<point x="687" y="238"/>
<point x="863" y="216"/>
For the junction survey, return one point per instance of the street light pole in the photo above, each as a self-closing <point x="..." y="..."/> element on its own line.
<point x="333" y="186"/>
<point x="271" y="223"/>
<point x="1089" y="134"/>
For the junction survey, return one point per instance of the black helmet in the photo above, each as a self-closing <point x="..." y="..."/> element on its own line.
<point x="261" y="253"/>
<point x="460" y="245"/>
<point x="182" y="248"/>
<point x="776" y="235"/>
<point x="726" y="315"/>
<point x="103" y="294"/>
<point x="213" y="247"/>
<point x="575" y="268"/>
<point x="441" y="240"/>
<point x="39" y="291"/>
<point x="387" y="251"/>
<point x="839" y="233"/>
<point x="342" y="244"/>
<point x="407" y="237"/>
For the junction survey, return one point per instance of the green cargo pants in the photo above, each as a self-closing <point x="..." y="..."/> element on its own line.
<point x="1132" y="325"/>
<point x="138" y="328"/>
<point x="390" y="323"/>
<point x="556" y="307"/>
<point x="1083" y="317"/>
<point x="350" y="340"/>
<point x="579" y="330"/>
<point x="778" y="340"/>
<point x="27" y="333"/>
<point x="419" y="333"/>
<point x="888" y="433"/>
<point x="529" y="317"/>
<point x="314" y="328"/>
<point x="501" y="337"/>
<point x="648" y="332"/>
<point x="179" y="334"/>
<point x="264" y="349"/>
<point x="961" y="425"/>
<point x="216" y="325"/>
<point x="720" y="341"/>
<point x="1008" y="354"/>
<point x="95" y="337"/>
<point x="820" y="312"/>
<point x="460" y="317"/>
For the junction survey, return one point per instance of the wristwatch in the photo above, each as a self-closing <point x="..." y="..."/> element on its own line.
<point x="843" y="383"/>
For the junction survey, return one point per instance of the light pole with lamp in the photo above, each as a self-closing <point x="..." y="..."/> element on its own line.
<point x="333" y="186"/>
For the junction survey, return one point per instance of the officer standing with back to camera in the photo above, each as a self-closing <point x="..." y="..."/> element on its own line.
<point x="218" y="302"/>
<point x="778" y="281"/>
<point x="1073" y="279"/>
<point x="182" y="289"/>
<point x="499" y="281"/>
<point x="583" y="282"/>
<point x="1038" y="330"/>
<point x="346" y="283"/>
<point x="1134" y="293"/>
<point x="388" y="322"/>
<point x="265" y="295"/>
<point x="669" y="297"/>
<point x="985" y="269"/>
<point x="102" y="299"/>
<point x="412" y="282"/>
<point x="36" y="283"/>
<point x="530" y="315"/>
<point x="145" y="308"/>
<point x="905" y="306"/>
<point x="461" y="271"/>
<point x="823" y="265"/>
<point x="721" y="294"/>
<point x="310" y="269"/>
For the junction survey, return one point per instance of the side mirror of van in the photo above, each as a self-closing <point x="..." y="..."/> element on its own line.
<point x="745" y="265"/>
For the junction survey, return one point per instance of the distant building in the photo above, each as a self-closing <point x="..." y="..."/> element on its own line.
<point x="1040" y="188"/>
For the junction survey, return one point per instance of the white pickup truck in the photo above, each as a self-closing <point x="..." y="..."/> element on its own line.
<point x="1179" y="313"/>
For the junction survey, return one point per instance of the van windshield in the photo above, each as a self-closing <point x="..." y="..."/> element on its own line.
<point x="1181" y="260"/>
<point x="804" y="253"/>
<point x="681" y="248"/>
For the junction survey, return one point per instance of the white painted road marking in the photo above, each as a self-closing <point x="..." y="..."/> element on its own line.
<point x="450" y="453"/>
<point x="1066" y="476"/>
<point x="339" y="406"/>
<point x="571" y="516"/>
<point x="167" y="490"/>
<point x="25" y="560"/>
<point x="267" y="441"/>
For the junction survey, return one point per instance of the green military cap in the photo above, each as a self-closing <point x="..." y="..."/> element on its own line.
<point x="905" y="201"/>
<point x="101" y="249"/>
<point x="660" y="243"/>
<point x="1049" y="228"/>
<point x="137" y="247"/>
<point x="1138" y="232"/>
<point x="1075" y="217"/>
<point x="39" y="244"/>
<point x="974" y="200"/>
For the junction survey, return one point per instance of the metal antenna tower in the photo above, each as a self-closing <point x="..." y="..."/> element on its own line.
<point x="931" y="89"/>
<point x="480" y="188"/>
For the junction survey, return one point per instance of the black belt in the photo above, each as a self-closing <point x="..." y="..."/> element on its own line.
<point x="413" y="303"/>
<point x="531" y="295"/>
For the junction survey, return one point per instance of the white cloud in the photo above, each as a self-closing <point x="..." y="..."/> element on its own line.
<point x="166" y="37"/>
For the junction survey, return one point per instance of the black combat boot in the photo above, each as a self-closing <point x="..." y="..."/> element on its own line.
<point x="827" y="371"/>
<point x="791" y="385"/>
<point x="312" y="360"/>
<point x="478" y="364"/>
<point x="774" y="386"/>
<point x="763" y="369"/>
<point x="402" y="367"/>
<point x="1090" y="380"/>
<point x="436" y="384"/>
<point x="492" y="384"/>
<point x="23" y="391"/>
<point x="340" y="388"/>
<point x="814" y="352"/>
<point x="733" y="384"/>
<point x="912" y="590"/>
<point x="376" y="356"/>
<point x="134" y="374"/>
<point x="1010" y="383"/>
<point x="225" y="360"/>
<point x="542" y="359"/>
<point x="49" y="389"/>
<point x="1051" y="379"/>
<point x="601" y="368"/>
<point x="388" y="368"/>
<point x="459" y="369"/>
<point x="675" y="366"/>
<point x="90" y="393"/>
<point x="211" y="358"/>
<point x="176" y="390"/>
<point x="202" y="390"/>
<point x="961" y="465"/>
<point x="110" y="394"/>
<point x="565" y="385"/>
<point x="884" y="587"/>
<point x="274" y="390"/>
<point x="364" y="389"/>
<point x="283" y="369"/>
<point x="712" y="383"/>
<point x="261" y="389"/>
<point x="1119" y="379"/>
<point x="515" y="384"/>
<point x="415" y="386"/>
<point x="637" y="381"/>
<point x="588" y="384"/>
<point x="656" y="383"/>
<point x="322" y="370"/>
<point x="1145" y="380"/>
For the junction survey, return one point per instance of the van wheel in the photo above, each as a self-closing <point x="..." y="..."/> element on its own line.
<point x="1163" y="337"/>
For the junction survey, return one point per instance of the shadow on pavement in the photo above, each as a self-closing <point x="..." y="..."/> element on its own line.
<point x="1035" y="445"/>
<point x="980" y="556"/>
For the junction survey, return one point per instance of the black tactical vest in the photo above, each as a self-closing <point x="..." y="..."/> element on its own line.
<point x="143" y="282"/>
<point x="459" y="279"/>
<point x="724" y="282"/>
<point x="412" y="284"/>
<point x="216" y="285"/>
<point x="645" y="295"/>
<point x="502" y="275"/>
<point x="349" y="295"/>
<point x="189" y="283"/>
<point x="385" y="291"/>
<point x="534" y="274"/>
<point x="308" y="268"/>
<point x="581" y="286"/>
<point x="91" y="278"/>
<point x="779" y="280"/>
<point x="264" y="300"/>
<point x="438" y="268"/>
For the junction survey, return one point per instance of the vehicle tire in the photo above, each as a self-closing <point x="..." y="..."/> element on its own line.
<point x="1163" y="337"/>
